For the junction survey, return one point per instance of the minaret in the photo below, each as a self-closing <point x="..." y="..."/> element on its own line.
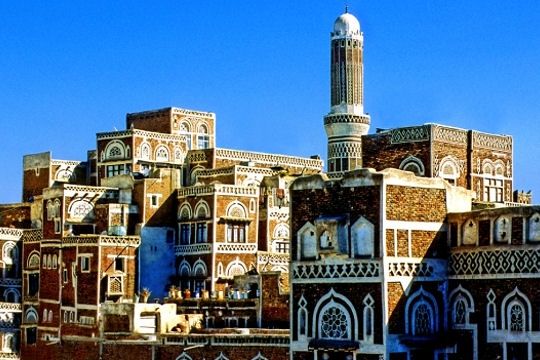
<point x="346" y="122"/>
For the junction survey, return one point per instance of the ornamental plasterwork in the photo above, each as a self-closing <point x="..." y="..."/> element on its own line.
<point x="508" y="169"/>
<point x="492" y="142"/>
<point x="497" y="262"/>
<point x="459" y="164"/>
<point x="345" y="149"/>
<point x="450" y="135"/>
<point x="409" y="134"/>
<point x="270" y="159"/>
<point x="10" y="233"/>
<point x="362" y="269"/>
<point x="346" y="118"/>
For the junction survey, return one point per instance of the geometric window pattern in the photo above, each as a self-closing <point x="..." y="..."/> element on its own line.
<point x="421" y="316"/>
<point x="423" y="320"/>
<point x="334" y="322"/>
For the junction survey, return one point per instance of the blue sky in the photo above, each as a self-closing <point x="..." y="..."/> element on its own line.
<point x="70" y="69"/>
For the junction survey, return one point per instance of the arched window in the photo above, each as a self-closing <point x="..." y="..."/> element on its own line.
<point x="203" y="140"/>
<point x="45" y="315"/>
<point x="281" y="232"/>
<point x="145" y="151"/>
<point x="235" y="268"/>
<point x="362" y="234"/>
<point x="307" y="241"/>
<point x="449" y="169"/>
<point x="461" y="305"/>
<point x="115" y="152"/>
<point x="50" y="319"/>
<point x="534" y="228"/>
<point x="413" y="164"/>
<point x="54" y="261"/>
<point x="178" y="155"/>
<point x="31" y="316"/>
<point x="421" y="313"/>
<point x="470" y="233"/>
<point x="186" y="131"/>
<point x="516" y="312"/>
<point x="334" y="322"/>
<point x="8" y="343"/>
<point x="422" y="319"/>
<point x="33" y="261"/>
<point x="334" y="317"/>
<point x="199" y="269"/>
<point x="302" y="317"/>
<point x="368" y="316"/>
<point x="516" y="316"/>
<point x="162" y="154"/>
<point x="491" y="311"/>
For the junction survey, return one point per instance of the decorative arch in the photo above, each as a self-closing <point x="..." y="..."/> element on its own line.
<point x="534" y="228"/>
<point x="146" y="150"/>
<point x="184" y="356"/>
<point x="281" y="232"/>
<point x="33" y="260"/>
<point x="63" y="174"/>
<point x="220" y="269"/>
<point x="221" y="357"/>
<point x="363" y="238"/>
<point x="8" y="343"/>
<point x="12" y="295"/>
<point x="81" y="209"/>
<point x="307" y="241"/>
<point x="516" y="311"/>
<point x="184" y="127"/>
<point x="10" y="253"/>
<point x="421" y="313"/>
<point x="162" y="153"/>
<point x="470" y="233"/>
<point x="488" y="167"/>
<point x="115" y="150"/>
<point x="461" y="306"/>
<point x="413" y="164"/>
<point x="503" y="229"/>
<point x="237" y="210"/>
<point x="259" y="357"/>
<point x="202" y="210"/>
<point x="199" y="269"/>
<point x="449" y="169"/>
<point x="236" y="267"/>
<point x="185" y="212"/>
<point x="194" y="172"/>
<point x="334" y="317"/>
<point x="368" y="318"/>
<point x="31" y="316"/>
<point x="302" y="318"/>
<point x="179" y="155"/>
<point x="184" y="269"/>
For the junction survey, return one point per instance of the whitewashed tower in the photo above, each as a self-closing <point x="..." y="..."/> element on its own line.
<point x="346" y="122"/>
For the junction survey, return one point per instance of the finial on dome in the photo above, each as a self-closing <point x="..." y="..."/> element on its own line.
<point x="346" y="8"/>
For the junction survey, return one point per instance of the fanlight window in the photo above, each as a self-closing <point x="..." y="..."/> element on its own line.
<point x="423" y="318"/>
<point x="517" y="317"/>
<point x="335" y="323"/>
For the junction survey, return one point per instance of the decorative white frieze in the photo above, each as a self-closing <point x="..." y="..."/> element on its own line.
<point x="449" y="135"/>
<point x="497" y="262"/>
<point x="360" y="270"/>
<point x="491" y="142"/>
<point x="409" y="134"/>
<point x="236" y="248"/>
<point x="194" y="249"/>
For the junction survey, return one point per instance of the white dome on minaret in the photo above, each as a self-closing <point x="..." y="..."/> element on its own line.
<point x="346" y="25"/>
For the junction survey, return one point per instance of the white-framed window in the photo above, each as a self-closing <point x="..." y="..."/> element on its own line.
<point x="302" y="318"/>
<point x="118" y="169"/>
<point x="162" y="153"/>
<point x="493" y="190"/>
<point x="236" y="232"/>
<point x="85" y="263"/>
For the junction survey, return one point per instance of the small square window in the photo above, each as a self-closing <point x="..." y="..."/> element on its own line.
<point x="85" y="263"/>
<point x="154" y="200"/>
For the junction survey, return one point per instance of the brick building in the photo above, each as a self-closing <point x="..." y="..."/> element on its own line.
<point x="425" y="253"/>
<point x="413" y="245"/>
